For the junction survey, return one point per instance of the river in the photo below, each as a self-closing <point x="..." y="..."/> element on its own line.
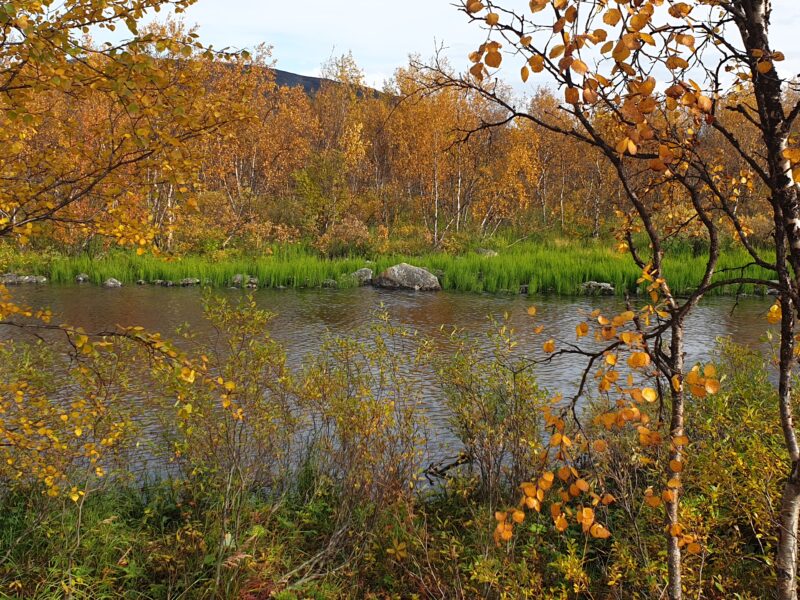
<point x="305" y="317"/>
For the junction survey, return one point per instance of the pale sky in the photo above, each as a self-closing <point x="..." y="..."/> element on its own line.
<point x="382" y="33"/>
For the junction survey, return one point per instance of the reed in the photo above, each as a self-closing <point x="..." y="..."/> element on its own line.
<point x="555" y="267"/>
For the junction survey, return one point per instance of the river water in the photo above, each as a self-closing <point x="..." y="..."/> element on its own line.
<point x="305" y="317"/>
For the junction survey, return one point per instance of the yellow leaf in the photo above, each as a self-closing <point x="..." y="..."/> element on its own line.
<point x="493" y="59"/>
<point x="537" y="63"/>
<point x="600" y="532"/>
<point x="572" y="95"/>
<point x="650" y="394"/>
<point x="561" y="523"/>
<point x="549" y="346"/>
<point x="638" y="360"/>
<point x="579" y="67"/>
<point x="612" y="16"/>
<point x="675" y="466"/>
<point x="492" y="19"/>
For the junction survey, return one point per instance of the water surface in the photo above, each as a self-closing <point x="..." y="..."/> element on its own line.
<point x="305" y="317"/>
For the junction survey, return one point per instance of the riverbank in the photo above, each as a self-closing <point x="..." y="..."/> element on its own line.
<point x="558" y="267"/>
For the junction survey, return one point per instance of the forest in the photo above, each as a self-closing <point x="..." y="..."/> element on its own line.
<point x="303" y="437"/>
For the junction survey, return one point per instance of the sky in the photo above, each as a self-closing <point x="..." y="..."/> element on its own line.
<point x="382" y="33"/>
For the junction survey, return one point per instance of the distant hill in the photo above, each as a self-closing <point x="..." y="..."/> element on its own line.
<point x="310" y="84"/>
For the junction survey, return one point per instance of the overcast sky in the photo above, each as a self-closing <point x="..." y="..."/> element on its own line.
<point x="382" y="33"/>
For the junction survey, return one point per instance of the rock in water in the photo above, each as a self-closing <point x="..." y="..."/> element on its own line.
<point x="363" y="276"/>
<point x="82" y="278"/>
<point x="112" y="283"/>
<point x="597" y="288"/>
<point x="190" y="282"/>
<point x="407" y="277"/>
<point x="239" y="280"/>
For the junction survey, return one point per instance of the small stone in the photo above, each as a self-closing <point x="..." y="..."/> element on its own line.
<point x="112" y="283"/>
<point x="82" y="278"/>
<point x="330" y="284"/>
<point x="189" y="282"/>
<point x="363" y="276"/>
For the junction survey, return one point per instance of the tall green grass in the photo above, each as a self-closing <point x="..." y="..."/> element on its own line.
<point x="558" y="267"/>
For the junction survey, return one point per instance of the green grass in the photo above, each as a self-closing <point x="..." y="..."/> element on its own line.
<point x="558" y="267"/>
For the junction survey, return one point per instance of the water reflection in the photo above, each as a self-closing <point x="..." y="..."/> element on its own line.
<point x="305" y="317"/>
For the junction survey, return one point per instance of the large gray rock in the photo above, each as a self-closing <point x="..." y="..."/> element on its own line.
<point x="112" y="283"/>
<point x="407" y="277"/>
<point x="363" y="276"/>
<point x="597" y="288"/>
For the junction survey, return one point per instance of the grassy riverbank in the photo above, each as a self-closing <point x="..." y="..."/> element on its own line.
<point x="555" y="267"/>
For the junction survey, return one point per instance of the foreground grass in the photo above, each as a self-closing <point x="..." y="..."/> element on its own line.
<point x="169" y="539"/>
<point x="556" y="267"/>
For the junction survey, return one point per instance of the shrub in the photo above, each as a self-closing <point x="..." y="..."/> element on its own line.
<point x="346" y="238"/>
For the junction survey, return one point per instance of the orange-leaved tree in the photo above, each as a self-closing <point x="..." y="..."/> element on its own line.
<point x="656" y="87"/>
<point x="87" y="131"/>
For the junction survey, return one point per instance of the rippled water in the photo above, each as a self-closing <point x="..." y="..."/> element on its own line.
<point x="305" y="317"/>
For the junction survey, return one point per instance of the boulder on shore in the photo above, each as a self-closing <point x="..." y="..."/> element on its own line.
<point x="112" y="283"/>
<point x="597" y="288"/>
<point x="13" y="279"/>
<point x="407" y="277"/>
<point x="189" y="282"/>
<point x="363" y="276"/>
